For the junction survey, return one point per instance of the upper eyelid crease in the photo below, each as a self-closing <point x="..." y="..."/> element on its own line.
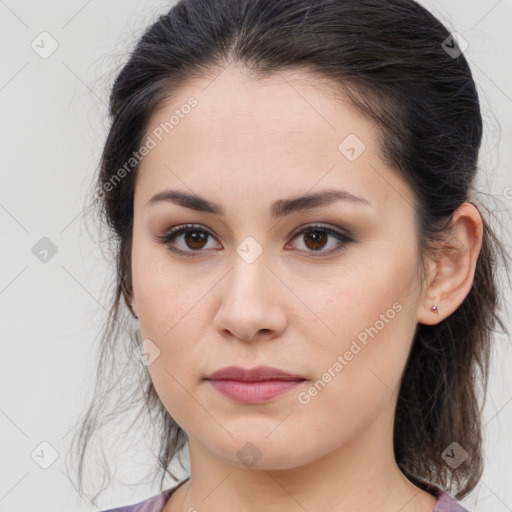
<point x="280" y="208"/>
<point x="343" y="237"/>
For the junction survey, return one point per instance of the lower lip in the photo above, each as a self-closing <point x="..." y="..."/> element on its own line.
<point x="254" y="392"/>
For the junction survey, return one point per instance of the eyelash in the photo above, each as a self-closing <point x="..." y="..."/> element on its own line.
<point x="174" y="232"/>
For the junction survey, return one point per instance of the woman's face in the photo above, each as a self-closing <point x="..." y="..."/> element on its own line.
<point x="336" y="304"/>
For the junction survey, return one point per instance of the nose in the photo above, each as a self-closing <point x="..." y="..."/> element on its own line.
<point x="252" y="303"/>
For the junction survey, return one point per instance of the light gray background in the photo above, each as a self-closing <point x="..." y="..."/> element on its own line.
<point x="53" y="123"/>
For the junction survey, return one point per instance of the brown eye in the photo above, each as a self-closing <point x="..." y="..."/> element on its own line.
<point x="316" y="237"/>
<point x="195" y="239"/>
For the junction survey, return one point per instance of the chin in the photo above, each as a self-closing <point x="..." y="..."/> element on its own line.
<point x="258" y="452"/>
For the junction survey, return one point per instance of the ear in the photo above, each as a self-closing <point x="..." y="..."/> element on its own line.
<point x="452" y="270"/>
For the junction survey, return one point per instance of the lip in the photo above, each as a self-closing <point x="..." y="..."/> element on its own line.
<point x="257" y="374"/>
<point x="253" y="386"/>
<point x="253" y="392"/>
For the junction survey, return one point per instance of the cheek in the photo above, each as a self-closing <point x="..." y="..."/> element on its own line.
<point x="165" y="292"/>
<point x="178" y="394"/>
<point x="357" y="298"/>
<point x="368" y="324"/>
<point x="357" y="372"/>
<point x="170" y="316"/>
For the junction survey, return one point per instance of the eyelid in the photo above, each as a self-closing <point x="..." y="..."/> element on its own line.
<point x="179" y="230"/>
<point x="343" y="236"/>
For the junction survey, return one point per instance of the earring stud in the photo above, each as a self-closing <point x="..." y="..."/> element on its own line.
<point x="435" y="309"/>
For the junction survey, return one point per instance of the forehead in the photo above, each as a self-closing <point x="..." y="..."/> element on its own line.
<point x="291" y="112"/>
<point x="236" y="89"/>
<point x="244" y="133"/>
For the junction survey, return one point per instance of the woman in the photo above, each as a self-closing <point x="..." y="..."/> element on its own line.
<point x="290" y="186"/>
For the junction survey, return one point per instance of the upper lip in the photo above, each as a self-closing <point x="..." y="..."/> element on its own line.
<point x="259" y="373"/>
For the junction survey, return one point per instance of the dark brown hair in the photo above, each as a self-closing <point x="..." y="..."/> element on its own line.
<point x="391" y="59"/>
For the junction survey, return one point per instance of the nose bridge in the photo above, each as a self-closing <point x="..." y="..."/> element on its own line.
<point x="249" y="268"/>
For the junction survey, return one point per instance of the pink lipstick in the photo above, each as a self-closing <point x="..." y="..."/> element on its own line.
<point x="253" y="386"/>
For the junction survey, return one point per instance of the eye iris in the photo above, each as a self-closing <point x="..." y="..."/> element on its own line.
<point x="318" y="241"/>
<point x="195" y="237"/>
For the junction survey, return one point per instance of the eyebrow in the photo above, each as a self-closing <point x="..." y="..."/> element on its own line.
<point x="280" y="208"/>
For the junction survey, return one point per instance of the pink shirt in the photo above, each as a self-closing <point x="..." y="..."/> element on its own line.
<point x="444" y="503"/>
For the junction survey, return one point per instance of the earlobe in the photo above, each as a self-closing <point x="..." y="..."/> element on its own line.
<point x="455" y="264"/>
<point x="431" y="311"/>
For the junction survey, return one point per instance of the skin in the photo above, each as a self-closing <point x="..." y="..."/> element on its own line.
<point x="245" y="145"/>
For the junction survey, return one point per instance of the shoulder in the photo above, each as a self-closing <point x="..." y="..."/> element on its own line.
<point x="153" y="504"/>
<point x="447" y="503"/>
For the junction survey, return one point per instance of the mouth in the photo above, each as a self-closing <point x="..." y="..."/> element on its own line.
<point x="254" y="392"/>
<point x="258" y="374"/>
<point x="253" y="386"/>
